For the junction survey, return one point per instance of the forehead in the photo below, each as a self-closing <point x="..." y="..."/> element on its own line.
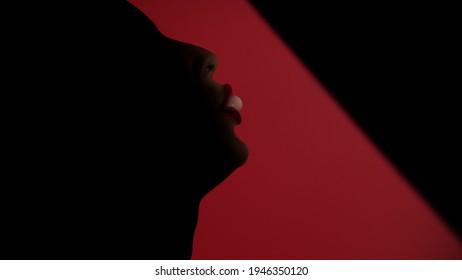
<point x="128" y="20"/>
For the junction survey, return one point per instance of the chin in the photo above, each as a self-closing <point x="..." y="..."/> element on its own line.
<point x="239" y="155"/>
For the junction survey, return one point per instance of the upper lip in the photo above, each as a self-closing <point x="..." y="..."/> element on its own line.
<point x="226" y="107"/>
<point x="227" y="93"/>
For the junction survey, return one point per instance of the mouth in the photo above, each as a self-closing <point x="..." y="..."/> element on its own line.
<point x="232" y="104"/>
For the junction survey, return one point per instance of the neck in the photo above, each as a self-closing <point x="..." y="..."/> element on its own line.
<point x="173" y="227"/>
<point x="161" y="222"/>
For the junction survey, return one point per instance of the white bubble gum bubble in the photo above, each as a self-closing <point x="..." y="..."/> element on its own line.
<point x="234" y="102"/>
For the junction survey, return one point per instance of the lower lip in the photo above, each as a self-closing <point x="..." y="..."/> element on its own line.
<point x="234" y="113"/>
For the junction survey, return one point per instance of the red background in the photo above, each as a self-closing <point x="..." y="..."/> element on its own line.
<point x="314" y="187"/>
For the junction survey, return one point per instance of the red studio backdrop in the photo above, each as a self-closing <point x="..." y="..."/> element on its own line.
<point x="314" y="186"/>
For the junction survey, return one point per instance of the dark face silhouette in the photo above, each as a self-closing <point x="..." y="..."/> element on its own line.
<point x="115" y="132"/>
<point x="206" y="111"/>
<point x="198" y="114"/>
<point x="167" y="114"/>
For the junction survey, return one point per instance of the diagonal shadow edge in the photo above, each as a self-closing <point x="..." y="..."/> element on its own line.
<point x="339" y="66"/>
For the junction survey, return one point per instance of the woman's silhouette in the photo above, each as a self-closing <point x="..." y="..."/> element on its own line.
<point x="116" y="134"/>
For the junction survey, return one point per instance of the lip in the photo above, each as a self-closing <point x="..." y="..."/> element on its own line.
<point x="234" y="113"/>
<point x="228" y="92"/>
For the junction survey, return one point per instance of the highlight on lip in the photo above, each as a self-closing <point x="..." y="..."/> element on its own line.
<point x="231" y="100"/>
<point x="232" y="104"/>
